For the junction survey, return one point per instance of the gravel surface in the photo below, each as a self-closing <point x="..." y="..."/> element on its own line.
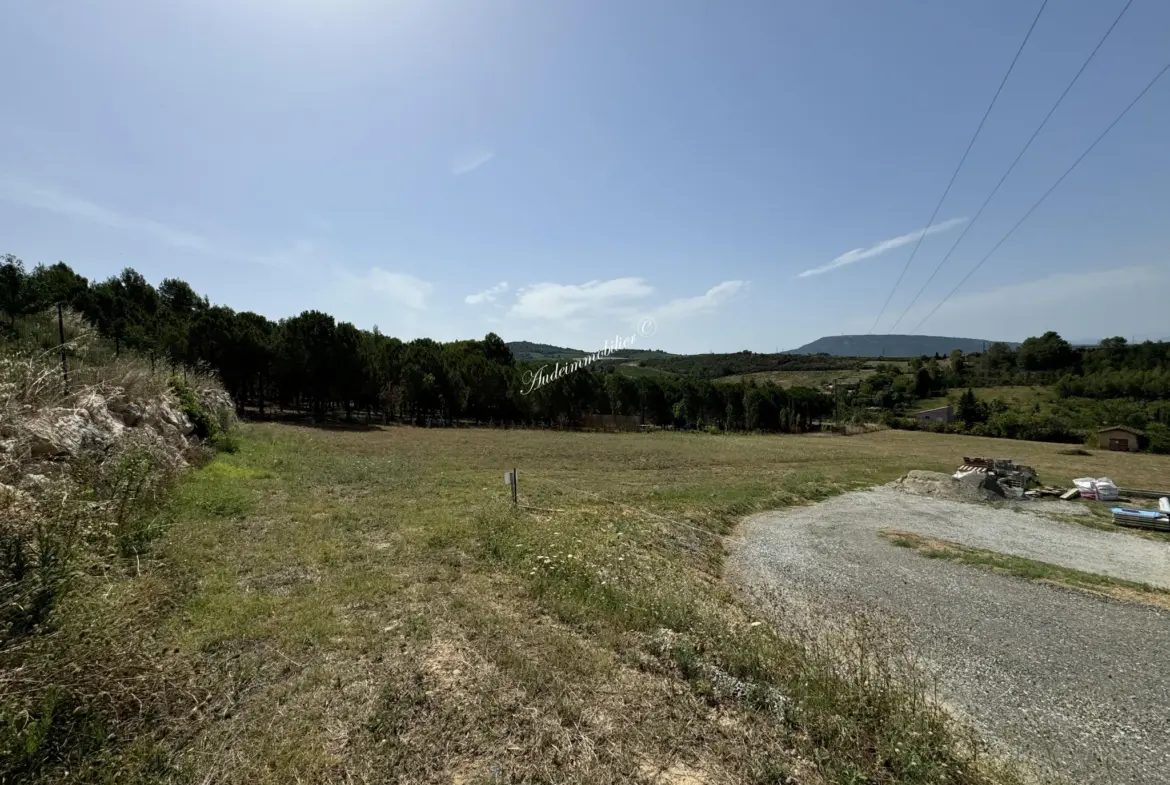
<point x="1074" y="683"/>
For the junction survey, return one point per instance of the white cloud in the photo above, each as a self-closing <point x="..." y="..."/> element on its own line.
<point x="487" y="295"/>
<point x="859" y="254"/>
<point x="704" y="303"/>
<point x="383" y="285"/>
<point x="565" y="301"/>
<point x="470" y="162"/>
<point x="68" y="206"/>
<point x="65" y="205"/>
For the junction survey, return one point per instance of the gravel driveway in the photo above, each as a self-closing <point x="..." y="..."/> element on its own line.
<point x="1075" y="683"/>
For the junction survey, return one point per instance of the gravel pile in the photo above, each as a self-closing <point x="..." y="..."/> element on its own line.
<point x="945" y="486"/>
<point x="1074" y="683"/>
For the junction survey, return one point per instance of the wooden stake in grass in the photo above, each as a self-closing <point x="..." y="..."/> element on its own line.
<point x="510" y="479"/>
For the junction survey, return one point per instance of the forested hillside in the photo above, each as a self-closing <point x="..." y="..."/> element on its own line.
<point x="1115" y="383"/>
<point x="314" y="364"/>
<point x="527" y="350"/>
<point x="714" y="366"/>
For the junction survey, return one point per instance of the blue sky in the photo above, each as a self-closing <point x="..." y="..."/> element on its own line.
<point x="558" y="171"/>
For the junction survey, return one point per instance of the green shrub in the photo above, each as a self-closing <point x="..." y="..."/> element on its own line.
<point x="225" y="417"/>
<point x="206" y="426"/>
<point x="1158" y="438"/>
<point x="225" y="442"/>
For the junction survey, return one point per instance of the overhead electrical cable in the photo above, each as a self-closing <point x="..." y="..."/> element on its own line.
<point x="1039" y="201"/>
<point x="995" y="190"/>
<point x="962" y="160"/>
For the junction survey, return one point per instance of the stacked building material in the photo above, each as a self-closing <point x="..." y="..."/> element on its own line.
<point x="1012" y="479"/>
<point x="1142" y="519"/>
<point x="1101" y="488"/>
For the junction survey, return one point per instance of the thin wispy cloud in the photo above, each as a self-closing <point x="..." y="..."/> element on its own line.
<point x="398" y="288"/>
<point x="469" y="163"/>
<point x="69" y="206"/>
<point x="1065" y="302"/>
<point x="487" y="295"/>
<point x="564" y="301"/>
<point x="59" y="203"/>
<point x="860" y="254"/>
<point x="714" y="297"/>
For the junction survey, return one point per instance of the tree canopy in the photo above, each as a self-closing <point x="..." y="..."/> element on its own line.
<point x="313" y="363"/>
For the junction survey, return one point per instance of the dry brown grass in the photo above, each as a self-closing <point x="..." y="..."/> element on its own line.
<point x="365" y="607"/>
<point x="79" y="661"/>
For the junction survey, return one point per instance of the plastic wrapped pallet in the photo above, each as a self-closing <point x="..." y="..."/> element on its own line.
<point x="1101" y="488"/>
<point x="1087" y="486"/>
<point x="1106" y="490"/>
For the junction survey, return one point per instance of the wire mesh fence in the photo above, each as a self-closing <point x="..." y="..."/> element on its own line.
<point x="57" y="330"/>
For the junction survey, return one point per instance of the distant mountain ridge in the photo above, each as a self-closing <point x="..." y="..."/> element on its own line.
<point x="833" y="345"/>
<point x="527" y="350"/>
<point x="893" y="345"/>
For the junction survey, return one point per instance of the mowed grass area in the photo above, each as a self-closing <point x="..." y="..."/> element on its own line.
<point x="349" y="606"/>
<point x="814" y="379"/>
<point x="635" y="369"/>
<point x="1016" y="397"/>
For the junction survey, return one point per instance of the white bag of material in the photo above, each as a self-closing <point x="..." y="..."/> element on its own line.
<point x="1106" y="490"/>
<point x="1087" y="486"/>
<point x="1164" y="504"/>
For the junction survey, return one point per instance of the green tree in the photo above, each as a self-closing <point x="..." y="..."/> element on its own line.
<point x="58" y="283"/>
<point x="1049" y="352"/>
<point x="348" y="373"/>
<point x="923" y="383"/>
<point x="970" y="411"/>
<point x="17" y="293"/>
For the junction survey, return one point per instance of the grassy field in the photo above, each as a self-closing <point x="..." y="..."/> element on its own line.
<point x="635" y="369"/>
<point x="367" y="606"/>
<point x="815" y="379"/>
<point x="1016" y="397"/>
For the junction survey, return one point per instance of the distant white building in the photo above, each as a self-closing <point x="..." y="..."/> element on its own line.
<point x="941" y="414"/>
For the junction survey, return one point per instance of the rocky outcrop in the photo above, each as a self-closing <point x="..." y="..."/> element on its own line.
<point x="92" y="424"/>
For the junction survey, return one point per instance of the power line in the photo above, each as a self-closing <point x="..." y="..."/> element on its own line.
<point x="962" y="160"/>
<point x="1039" y="201"/>
<point x="995" y="190"/>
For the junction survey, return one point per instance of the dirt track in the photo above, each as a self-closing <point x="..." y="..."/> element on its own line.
<point x="1075" y="683"/>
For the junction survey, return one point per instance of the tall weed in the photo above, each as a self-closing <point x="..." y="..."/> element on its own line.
<point x="68" y="683"/>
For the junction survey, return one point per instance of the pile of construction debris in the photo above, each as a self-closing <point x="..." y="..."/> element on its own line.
<point x="944" y="486"/>
<point x="991" y="479"/>
<point x="1002" y="476"/>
